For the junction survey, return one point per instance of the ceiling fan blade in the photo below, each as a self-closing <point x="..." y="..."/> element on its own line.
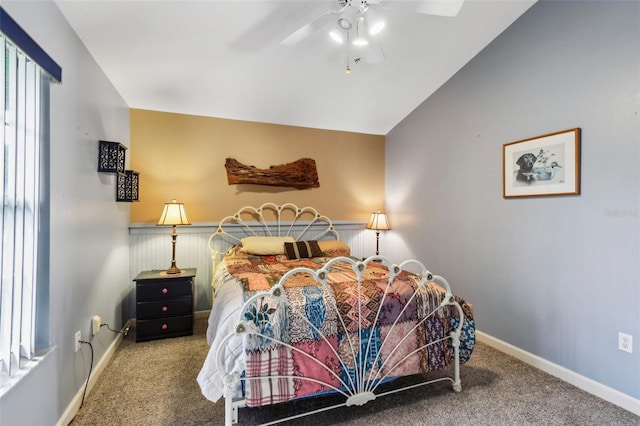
<point x="309" y="28"/>
<point x="263" y="33"/>
<point x="448" y="8"/>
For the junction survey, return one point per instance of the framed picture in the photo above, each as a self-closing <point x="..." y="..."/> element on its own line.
<point x="542" y="166"/>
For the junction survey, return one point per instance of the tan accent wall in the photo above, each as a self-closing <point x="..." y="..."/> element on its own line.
<point x="182" y="156"/>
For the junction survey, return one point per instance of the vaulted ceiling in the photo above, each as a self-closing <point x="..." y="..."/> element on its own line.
<point x="224" y="58"/>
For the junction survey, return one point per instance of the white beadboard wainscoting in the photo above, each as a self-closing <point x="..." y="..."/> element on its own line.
<point x="150" y="248"/>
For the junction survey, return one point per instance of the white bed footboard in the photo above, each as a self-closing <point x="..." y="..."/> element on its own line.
<point x="360" y="363"/>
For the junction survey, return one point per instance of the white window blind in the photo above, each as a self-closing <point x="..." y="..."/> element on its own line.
<point x="19" y="180"/>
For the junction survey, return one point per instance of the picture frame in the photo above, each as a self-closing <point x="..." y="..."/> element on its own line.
<point x="542" y="166"/>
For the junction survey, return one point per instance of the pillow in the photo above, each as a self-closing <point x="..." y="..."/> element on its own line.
<point x="265" y="245"/>
<point x="302" y="250"/>
<point x="333" y="248"/>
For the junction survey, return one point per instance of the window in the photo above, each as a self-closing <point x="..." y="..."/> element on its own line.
<point x="24" y="219"/>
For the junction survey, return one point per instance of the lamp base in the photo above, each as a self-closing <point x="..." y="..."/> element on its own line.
<point x="173" y="270"/>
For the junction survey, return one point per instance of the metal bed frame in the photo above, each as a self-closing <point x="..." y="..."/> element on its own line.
<point x="363" y="386"/>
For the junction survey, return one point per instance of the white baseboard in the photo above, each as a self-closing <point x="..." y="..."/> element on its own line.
<point x="588" y="385"/>
<point x="74" y="405"/>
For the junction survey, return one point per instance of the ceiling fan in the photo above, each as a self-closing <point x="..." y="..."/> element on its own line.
<point x="358" y="22"/>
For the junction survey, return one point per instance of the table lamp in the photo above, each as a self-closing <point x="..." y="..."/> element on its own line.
<point x="173" y="214"/>
<point x="378" y="222"/>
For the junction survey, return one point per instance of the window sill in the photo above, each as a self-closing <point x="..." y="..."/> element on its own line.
<point x="7" y="383"/>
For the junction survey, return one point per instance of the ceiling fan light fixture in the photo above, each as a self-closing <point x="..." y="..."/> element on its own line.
<point x="360" y="42"/>
<point x="344" y="24"/>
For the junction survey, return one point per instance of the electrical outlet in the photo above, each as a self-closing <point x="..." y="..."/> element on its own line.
<point x="625" y="342"/>
<point x="78" y="337"/>
<point x="96" y="323"/>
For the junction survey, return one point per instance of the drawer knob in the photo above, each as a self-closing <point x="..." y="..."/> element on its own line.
<point x="165" y="326"/>
<point x="165" y="308"/>
<point x="165" y="291"/>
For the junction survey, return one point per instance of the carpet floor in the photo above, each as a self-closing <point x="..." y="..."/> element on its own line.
<point x="154" y="383"/>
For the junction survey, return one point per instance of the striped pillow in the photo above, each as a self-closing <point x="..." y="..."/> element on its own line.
<point x="302" y="250"/>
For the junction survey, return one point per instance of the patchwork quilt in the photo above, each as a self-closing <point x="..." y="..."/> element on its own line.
<point x="308" y="343"/>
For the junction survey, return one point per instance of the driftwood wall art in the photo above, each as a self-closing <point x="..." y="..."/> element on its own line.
<point x="300" y="174"/>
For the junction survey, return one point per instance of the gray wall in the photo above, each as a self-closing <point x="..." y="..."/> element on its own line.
<point x="555" y="276"/>
<point x="89" y="271"/>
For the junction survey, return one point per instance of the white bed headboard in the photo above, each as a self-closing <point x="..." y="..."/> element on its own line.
<point x="301" y="223"/>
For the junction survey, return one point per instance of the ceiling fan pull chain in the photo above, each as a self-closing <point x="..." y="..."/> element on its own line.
<point x="348" y="68"/>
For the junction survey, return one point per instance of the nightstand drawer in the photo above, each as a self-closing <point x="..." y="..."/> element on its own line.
<point x="163" y="289"/>
<point x="164" y="308"/>
<point x="164" y="304"/>
<point x="165" y="327"/>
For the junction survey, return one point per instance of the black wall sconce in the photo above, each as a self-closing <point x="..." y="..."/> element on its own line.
<point x="127" y="187"/>
<point x="111" y="159"/>
<point x="111" y="156"/>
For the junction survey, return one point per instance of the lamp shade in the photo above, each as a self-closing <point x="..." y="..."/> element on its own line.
<point x="173" y="214"/>
<point x="378" y="221"/>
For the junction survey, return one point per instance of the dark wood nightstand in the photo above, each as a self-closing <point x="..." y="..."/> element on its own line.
<point x="164" y="304"/>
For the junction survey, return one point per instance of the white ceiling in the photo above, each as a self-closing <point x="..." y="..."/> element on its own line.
<point x="224" y="58"/>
